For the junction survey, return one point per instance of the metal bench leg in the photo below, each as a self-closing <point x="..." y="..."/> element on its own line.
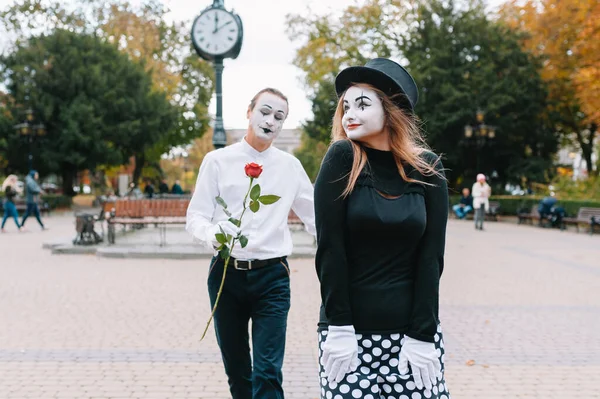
<point x="111" y="233"/>
<point x="163" y="235"/>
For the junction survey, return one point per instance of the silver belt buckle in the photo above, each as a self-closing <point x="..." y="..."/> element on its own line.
<point x="235" y="265"/>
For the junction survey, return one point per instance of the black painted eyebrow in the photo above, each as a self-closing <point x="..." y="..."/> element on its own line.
<point x="362" y="97"/>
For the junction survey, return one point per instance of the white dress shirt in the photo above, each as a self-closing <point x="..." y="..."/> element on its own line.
<point x="222" y="174"/>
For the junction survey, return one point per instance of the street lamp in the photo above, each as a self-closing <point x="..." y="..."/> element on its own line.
<point x="30" y="130"/>
<point x="479" y="135"/>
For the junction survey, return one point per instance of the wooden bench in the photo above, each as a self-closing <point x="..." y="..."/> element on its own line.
<point x="294" y="221"/>
<point x="159" y="212"/>
<point x="491" y="214"/>
<point x="141" y="212"/>
<point x="586" y="216"/>
<point x="529" y="216"/>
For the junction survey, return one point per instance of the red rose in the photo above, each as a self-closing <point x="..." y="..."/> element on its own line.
<point x="253" y="170"/>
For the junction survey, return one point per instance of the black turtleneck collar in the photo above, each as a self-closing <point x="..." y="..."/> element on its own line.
<point x="380" y="157"/>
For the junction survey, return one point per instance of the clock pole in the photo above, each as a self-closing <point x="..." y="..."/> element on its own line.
<point x="219" y="135"/>
<point x="201" y="39"/>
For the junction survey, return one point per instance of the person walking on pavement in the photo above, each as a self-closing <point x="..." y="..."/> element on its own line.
<point x="381" y="207"/>
<point x="33" y="191"/>
<point x="257" y="287"/>
<point x="481" y="200"/>
<point x="10" y="189"/>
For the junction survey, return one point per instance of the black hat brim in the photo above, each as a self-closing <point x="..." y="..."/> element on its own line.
<point x="361" y="74"/>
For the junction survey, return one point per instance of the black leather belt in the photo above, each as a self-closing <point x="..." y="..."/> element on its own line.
<point x="254" y="264"/>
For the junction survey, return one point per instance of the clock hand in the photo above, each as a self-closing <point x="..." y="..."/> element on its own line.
<point x="222" y="26"/>
<point x="216" y="22"/>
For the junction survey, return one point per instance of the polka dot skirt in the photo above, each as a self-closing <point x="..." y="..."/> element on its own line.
<point x="377" y="377"/>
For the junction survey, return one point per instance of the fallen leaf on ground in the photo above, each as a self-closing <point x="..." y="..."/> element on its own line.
<point x="470" y="362"/>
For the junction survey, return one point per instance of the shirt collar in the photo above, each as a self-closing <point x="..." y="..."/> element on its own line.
<point x="247" y="148"/>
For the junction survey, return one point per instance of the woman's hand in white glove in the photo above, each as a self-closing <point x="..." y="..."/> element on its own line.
<point x="340" y="353"/>
<point x="424" y="362"/>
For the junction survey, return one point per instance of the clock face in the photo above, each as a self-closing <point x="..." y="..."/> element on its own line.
<point x="215" y="32"/>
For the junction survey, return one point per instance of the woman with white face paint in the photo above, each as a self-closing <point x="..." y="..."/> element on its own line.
<point x="257" y="285"/>
<point x="381" y="207"/>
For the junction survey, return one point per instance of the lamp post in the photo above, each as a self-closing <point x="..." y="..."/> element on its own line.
<point x="478" y="135"/>
<point x="30" y="130"/>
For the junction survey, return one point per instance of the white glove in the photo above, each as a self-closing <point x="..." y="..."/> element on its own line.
<point x="340" y="353"/>
<point x="424" y="362"/>
<point x="227" y="227"/>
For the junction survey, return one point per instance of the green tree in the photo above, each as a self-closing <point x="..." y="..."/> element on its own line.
<point x="97" y="105"/>
<point x="316" y="133"/>
<point x="461" y="61"/>
<point x="5" y="129"/>
<point x="145" y="35"/>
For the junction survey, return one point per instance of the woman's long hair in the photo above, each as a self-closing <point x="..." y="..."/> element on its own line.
<point x="406" y="141"/>
<point x="12" y="181"/>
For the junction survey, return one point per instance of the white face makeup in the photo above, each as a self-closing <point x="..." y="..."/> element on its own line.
<point x="268" y="116"/>
<point x="363" y="113"/>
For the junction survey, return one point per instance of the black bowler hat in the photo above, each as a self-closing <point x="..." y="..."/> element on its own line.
<point x="384" y="74"/>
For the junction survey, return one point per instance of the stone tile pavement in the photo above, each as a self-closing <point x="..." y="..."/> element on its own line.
<point x="520" y="308"/>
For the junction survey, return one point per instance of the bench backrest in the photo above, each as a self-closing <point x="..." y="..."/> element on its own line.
<point x="139" y="208"/>
<point x="586" y="214"/>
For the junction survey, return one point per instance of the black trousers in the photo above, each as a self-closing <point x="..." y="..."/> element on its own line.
<point x="32" y="209"/>
<point x="262" y="295"/>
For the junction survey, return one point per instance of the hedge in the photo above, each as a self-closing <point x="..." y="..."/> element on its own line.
<point x="511" y="204"/>
<point x="53" y="200"/>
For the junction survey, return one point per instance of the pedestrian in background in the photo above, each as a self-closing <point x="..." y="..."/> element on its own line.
<point x="163" y="187"/>
<point x="149" y="189"/>
<point x="11" y="190"/>
<point x="33" y="191"/>
<point x="481" y="199"/>
<point x="176" y="189"/>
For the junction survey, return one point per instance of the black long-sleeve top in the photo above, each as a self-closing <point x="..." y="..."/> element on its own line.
<point x="10" y="194"/>
<point x="379" y="259"/>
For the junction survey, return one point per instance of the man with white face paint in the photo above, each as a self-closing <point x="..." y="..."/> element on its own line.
<point x="257" y="285"/>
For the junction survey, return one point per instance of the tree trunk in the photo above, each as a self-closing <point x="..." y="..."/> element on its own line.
<point x="68" y="176"/>
<point x="140" y="161"/>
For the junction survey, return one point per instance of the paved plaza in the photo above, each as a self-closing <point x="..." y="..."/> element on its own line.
<point x="520" y="307"/>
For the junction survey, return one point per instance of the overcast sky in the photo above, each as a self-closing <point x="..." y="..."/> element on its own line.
<point x="266" y="56"/>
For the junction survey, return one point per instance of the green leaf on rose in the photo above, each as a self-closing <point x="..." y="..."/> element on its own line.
<point x="221" y="201"/>
<point x="243" y="241"/>
<point x="268" y="199"/>
<point x="235" y="221"/>
<point x="224" y="253"/>
<point x="221" y="239"/>
<point x="255" y="192"/>
<point x="254" y="206"/>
